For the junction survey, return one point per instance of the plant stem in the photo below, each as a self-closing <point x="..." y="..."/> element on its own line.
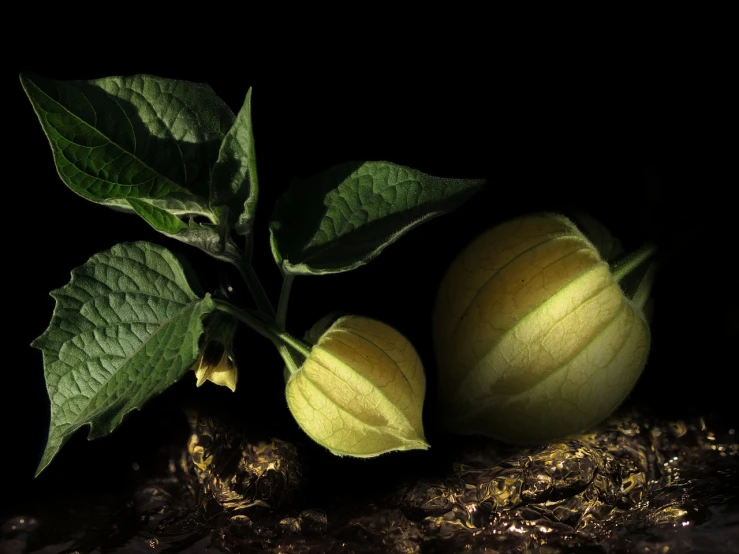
<point x="255" y="288"/>
<point x="235" y="257"/>
<point x="263" y="303"/>
<point x="292" y="367"/>
<point x="249" y="248"/>
<point x="279" y="337"/>
<point x="641" y="295"/>
<point x="632" y="261"/>
<point x="298" y="345"/>
<point x="287" y="283"/>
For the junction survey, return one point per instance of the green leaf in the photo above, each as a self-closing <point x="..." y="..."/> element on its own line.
<point x="160" y="219"/>
<point x="141" y="143"/>
<point x="343" y="218"/>
<point x="124" y="329"/>
<point x="235" y="183"/>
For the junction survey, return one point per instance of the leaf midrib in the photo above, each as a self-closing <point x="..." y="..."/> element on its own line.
<point x="84" y="414"/>
<point x="101" y="134"/>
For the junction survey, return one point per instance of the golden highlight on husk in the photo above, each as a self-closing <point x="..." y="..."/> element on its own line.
<point x="533" y="337"/>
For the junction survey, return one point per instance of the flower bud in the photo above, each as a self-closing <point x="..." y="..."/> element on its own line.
<point x="360" y="392"/>
<point x="215" y="362"/>
<point x="534" y="338"/>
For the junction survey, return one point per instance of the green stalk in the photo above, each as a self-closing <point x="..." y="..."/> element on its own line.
<point x="281" y="317"/>
<point x="632" y="261"/>
<point x="287" y="357"/>
<point x="256" y="289"/>
<point x="641" y="295"/>
<point x="241" y="261"/>
<point x="265" y="306"/>
<point x="278" y="337"/>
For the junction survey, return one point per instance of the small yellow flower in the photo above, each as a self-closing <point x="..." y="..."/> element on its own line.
<point x="216" y="362"/>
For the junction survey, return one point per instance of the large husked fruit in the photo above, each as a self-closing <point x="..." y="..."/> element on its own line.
<point x="534" y="338"/>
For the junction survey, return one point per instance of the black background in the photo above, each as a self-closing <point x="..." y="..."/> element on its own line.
<point x="633" y="144"/>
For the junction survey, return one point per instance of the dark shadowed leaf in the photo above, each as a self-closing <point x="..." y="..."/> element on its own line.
<point x="141" y="143"/>
<point x="343" y="218"/>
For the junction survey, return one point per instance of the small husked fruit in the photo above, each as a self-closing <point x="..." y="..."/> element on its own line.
<point x="360" y="392"/>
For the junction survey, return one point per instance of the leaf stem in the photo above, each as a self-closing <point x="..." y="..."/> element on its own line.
<point x="242" y="262"/>
<point x="265" y="306"/>
<point x="256" y="289"/>
<point x="298" y="345"/>
<point x="277" y="336"/>
<point x="632" y="261"/>
<point x="287" y="283"/>
<point x="287" y="357"/>
<point x="641" y="295"/>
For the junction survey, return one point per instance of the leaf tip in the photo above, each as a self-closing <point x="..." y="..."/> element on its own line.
<point x="25" y="80"/>
<point x="51" y="450"/>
